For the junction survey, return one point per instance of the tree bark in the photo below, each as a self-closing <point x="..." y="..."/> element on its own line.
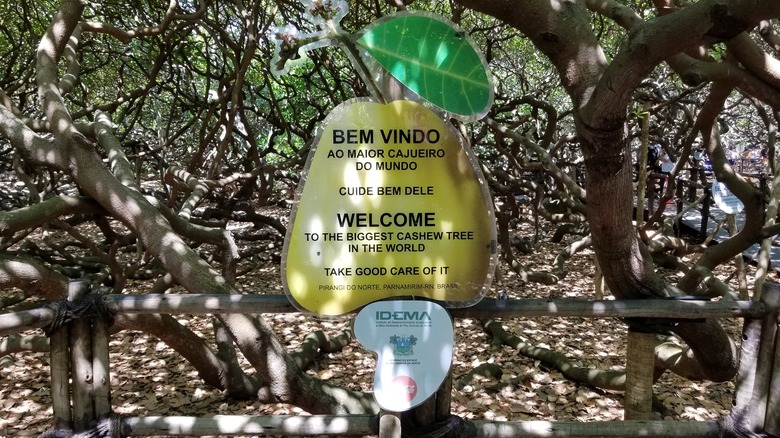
<point x="32" y="276"/>
<point x="601" y="94"/>
<point x="211" y="368"/>
<point x="71" y="151"/>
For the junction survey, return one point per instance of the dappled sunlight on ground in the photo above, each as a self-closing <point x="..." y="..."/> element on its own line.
<point x="148" y="378"/>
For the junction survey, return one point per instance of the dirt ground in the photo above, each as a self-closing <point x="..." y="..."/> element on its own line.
<point x="148" y="378"/>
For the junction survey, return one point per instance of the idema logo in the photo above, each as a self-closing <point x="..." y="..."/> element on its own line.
<point x="402" y="315"/>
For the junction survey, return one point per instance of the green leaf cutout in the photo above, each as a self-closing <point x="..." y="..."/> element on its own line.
<point x="434" y="59"/>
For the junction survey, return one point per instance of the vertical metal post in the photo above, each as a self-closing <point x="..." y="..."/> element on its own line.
<point x="770" y="296"/>
<point x="753" y="387"/>
<point x="81" y="364"/>
<point x="640" y="359"/>
<point x="746" y="376"/>
<point x="60" y="379"/>
<point x="444" y="398"/>
<point x="100" y="368"/>
<point x="705" y="212"/>
<point x="434" y="410"/>
<point x="678" y="194"/>
<point x="772" y="421"/>
<point x="389" y="425"/>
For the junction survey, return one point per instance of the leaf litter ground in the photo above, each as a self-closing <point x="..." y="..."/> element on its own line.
<point x="148" y="378"/>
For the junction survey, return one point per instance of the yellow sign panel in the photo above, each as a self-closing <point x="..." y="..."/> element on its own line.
<point x="392" y="205"/>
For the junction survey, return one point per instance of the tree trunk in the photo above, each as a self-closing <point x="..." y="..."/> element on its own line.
<point x="601" y="94"/>
<point x="212" y="369"/>
<point x="71" y="151"/>
<point x="283" y="379"/>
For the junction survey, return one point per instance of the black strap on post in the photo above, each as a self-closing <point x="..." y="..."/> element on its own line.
<point x="733" y="426"/>
<point x="109" y="426"/>
<point x="93" y="306"/>
<point x="57" y="433"/>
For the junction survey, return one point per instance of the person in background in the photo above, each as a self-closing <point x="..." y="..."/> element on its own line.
<point x="653" y="154"/>
<point x="666" y="168"/>
<point x="698" y="157"/>
<point x="731" y="156"/>
<point x="666" y="164"/>
<point x="764" y="160"/>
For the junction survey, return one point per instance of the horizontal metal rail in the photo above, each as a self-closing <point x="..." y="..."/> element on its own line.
<point x="361" y="425"/>
<point x="487" y="308"/>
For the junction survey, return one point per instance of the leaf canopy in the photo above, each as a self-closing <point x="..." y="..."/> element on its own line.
<point x="434" y="59"/>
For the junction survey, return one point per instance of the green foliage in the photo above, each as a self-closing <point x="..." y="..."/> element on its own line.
<point x="639" y="112"/>
<point x="717" y="51"/>
<point x="172" y="94"/>
<point x="433" y="59"/>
